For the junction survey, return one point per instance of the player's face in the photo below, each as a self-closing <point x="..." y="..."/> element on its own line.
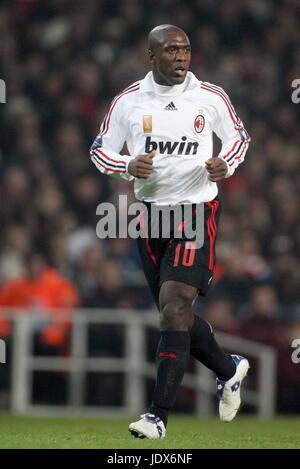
<point x="171" y="60"/>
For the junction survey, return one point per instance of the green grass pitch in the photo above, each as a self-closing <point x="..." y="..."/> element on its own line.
<point x="183" y="432"/>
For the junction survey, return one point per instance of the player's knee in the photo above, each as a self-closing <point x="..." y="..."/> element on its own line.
<point x="177" y="293"/>
<point x="174" y="317"/>
<point x="176" y="307"/>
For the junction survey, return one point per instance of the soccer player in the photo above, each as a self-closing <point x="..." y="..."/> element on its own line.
<point x="167" y="120"/>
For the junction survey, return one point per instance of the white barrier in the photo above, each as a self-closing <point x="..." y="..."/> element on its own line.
<point x="133" y="364"/>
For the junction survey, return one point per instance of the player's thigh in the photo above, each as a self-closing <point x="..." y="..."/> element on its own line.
<point x="184" y="261"/>
<point x="151" y="265"/>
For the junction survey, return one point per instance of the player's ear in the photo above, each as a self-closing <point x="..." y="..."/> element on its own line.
<point x="151" y="56"/>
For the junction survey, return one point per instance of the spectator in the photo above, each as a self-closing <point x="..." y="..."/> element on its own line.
<point x="220" y="313"/>
<point x="45" y="292"/>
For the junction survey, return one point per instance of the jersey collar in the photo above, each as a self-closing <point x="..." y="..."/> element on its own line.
<point x="149" y="85"/>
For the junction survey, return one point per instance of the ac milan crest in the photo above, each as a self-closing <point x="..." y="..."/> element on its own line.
<point x="199" y="123"/>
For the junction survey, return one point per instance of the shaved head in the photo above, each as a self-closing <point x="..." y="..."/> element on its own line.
<point x="169" y="52"/>
<point x="158" y="35"/>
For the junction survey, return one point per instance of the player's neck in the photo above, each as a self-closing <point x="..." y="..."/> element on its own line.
<point x="168" y="90"/>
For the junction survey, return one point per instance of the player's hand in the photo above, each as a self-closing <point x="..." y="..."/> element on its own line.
<point x="141" y="166"/>
<point x="217" y="169"/>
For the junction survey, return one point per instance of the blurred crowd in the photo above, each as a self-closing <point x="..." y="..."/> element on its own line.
<point x="63" y="62"/>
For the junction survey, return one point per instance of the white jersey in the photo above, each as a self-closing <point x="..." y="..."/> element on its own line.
<point x="178" y="123"/>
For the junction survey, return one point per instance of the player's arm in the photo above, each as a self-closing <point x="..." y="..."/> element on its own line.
<point x="234" y="137"/>
<point x="105" y="150"/>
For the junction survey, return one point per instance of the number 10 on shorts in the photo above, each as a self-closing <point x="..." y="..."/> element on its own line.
<point x="189" y="252"/>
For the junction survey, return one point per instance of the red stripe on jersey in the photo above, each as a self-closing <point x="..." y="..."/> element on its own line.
<point x="94" y="157"/>
<point x="141" y="220"/>
<point x="97" y="150"/>
<point x="167" y="354"/>
<point x="114" y="102"/>
<point x="209" y="232"/>
<point x="226" y="97"/>
<point x="231" y="150"/>
<point x="212" y="231"/>
<point x="243" y="149"/>
<point x="233" y="118"/>
<point x="151" y="253"/>
<point x="214" y="234"/>
<point x="103" y="124"/>
<point x="213" y="220"/>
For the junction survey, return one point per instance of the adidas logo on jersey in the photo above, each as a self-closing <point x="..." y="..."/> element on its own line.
<point x="169" y="148"/>
<point x="170" y="107"/>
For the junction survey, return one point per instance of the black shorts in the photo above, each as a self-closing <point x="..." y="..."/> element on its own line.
<point x="179" y="258"/>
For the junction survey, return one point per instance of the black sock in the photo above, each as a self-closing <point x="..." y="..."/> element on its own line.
<point x="206" y="350"/>
<point x="172" y="354"/>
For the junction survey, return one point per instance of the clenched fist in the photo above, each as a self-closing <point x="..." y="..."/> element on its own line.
<point x="217" y="169"/>
<point x="141" y="165"/>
